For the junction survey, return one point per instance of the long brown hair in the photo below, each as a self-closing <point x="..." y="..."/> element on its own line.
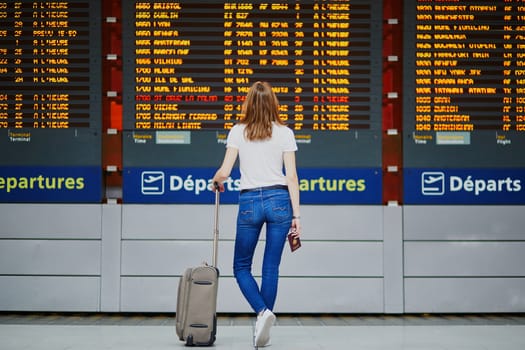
<point x="260" y="109"/>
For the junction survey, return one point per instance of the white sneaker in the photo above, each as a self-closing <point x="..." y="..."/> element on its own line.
<point x="262" y="328"/>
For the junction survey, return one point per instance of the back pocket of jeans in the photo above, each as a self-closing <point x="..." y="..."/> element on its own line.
<point x="281" y="209"/>
<point x="246" y="211"/>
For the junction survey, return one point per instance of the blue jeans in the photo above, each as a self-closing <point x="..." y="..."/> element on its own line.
<point x="272" y="207"/>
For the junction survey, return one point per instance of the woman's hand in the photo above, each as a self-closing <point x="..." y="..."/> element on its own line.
<point x="296" y="227"/>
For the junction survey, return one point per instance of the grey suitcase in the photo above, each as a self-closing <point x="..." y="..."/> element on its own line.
<point x="196" y="315"/>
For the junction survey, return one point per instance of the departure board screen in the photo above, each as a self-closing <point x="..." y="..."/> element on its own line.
<point x="45" y="65"/>
<point x="464" y="104"/>
<point x="50" y="104"/>
<point x="188" y="66"/>
<point x="465" y="76"/>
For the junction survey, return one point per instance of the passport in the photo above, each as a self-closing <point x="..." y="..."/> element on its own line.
<point x="295" y="242"/>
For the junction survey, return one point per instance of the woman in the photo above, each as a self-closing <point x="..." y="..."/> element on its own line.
<point x="263" y="143"/>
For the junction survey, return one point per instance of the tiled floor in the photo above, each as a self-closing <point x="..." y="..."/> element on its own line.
<point x="52" y="331"/>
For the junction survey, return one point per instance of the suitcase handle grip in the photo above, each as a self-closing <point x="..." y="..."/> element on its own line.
<point x="218" y="187"/>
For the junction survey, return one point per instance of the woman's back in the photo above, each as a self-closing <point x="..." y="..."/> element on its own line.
<point x="261" y="161"/>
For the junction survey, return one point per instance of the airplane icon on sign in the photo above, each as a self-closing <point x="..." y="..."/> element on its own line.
<point x="152" y="182"/>
<point x="432" y="183"/>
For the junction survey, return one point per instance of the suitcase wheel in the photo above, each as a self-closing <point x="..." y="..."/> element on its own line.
<point x="189" y="340"/>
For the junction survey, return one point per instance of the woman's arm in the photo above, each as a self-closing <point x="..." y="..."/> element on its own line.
<point x="292" y="181"/>
<point x="227" y="165"/>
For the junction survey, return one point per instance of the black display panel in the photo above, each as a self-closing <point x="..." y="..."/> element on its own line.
<point x="50" y="74"/>
<point x="50" y="101"/>
<point x="464" y="83"/>
<point x="188" y="66"/>
<point x="464" y="105"/>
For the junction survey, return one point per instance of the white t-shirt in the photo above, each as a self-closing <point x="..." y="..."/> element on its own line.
<point x="261" y="162"/>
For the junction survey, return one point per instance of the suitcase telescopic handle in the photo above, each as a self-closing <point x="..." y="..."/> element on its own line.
<point x="216" y="224"/>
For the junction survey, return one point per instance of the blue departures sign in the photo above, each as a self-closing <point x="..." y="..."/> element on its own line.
<point x="464" y="186"/>
<point x="193" y="185"/>
<point x="51" y="184"/>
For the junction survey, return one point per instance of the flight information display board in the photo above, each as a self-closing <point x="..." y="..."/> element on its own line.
<point x="188" y="66"/>
<point x="50" y="104"/>
<point x="464" y="104"/>
<point x="193" y="62"/>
